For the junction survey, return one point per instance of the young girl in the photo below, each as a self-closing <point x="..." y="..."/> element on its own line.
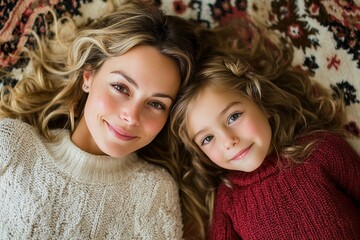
<point x="83" y="151"/>
<point x="268" y="154"/>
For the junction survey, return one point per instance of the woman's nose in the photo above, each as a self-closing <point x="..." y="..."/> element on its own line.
<point x="130" y="114"/>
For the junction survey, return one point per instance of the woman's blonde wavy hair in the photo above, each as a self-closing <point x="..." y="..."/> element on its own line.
<point x="296" y="105"/>
<point x="52" y="90"/>
<point x="51" y="95"/>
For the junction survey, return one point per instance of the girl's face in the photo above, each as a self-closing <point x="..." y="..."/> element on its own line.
<point x="230" y="129"/>
<point x="128" y="103"/>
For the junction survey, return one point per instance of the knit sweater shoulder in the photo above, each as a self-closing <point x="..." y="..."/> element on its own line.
<point x="316" y="199"/>
<point x="54" y="190"/>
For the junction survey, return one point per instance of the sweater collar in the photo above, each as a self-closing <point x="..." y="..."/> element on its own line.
<point x="269" y="167"/>
<point x="87" y="167"/>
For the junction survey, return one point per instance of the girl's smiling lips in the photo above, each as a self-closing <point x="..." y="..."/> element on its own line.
<point x="241" y="153"/>
<point x="120" y="133"/>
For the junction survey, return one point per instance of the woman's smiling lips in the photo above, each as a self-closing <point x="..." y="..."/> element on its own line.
<point x="120" y="133"/>
<point x="241" y="153"/>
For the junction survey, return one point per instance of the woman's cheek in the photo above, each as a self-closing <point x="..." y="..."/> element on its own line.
<point x="154" y="124"/>
<point x="107" y="104"/>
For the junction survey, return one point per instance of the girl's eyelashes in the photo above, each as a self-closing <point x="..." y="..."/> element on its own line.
<point x="233" y="117"/>
<point x="206" y="140"/>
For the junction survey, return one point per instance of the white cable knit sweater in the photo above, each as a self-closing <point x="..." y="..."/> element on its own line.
<point x="57" y="191"/>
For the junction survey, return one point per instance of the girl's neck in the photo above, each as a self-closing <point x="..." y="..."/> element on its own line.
<point x="269" y="167"/>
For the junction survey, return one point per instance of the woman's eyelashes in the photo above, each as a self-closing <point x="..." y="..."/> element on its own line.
<point x="158" y="105"/>
<point x="123" y="89"/>
<point x="120" y="88"/>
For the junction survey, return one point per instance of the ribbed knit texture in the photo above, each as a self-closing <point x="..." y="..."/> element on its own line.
<point x="317" y="199"/>
<point x="57" y="191"/>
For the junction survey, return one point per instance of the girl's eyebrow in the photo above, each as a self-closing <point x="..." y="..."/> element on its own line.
<point x="228" y="107"/>
<point x="194" y="137"/>
<point x="132" y="82"/>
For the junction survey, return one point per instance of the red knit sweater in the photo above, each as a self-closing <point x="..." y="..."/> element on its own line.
<point x="317" y="199"/>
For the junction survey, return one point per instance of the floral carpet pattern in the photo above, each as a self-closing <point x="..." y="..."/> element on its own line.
<point x="325" y="34"/>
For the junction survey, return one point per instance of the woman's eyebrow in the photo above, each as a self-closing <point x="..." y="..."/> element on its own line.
<point x="126" y="77"/>
<point x="163" y="96"/>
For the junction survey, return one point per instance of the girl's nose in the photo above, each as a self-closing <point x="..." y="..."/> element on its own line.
<point x="130" y="114"/>
<point x="230" y="140"/>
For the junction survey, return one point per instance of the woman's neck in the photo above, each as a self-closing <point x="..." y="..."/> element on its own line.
<point x="85" y="166"/>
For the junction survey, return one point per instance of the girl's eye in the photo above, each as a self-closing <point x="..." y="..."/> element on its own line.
<point x="206" y="140"/>
<point x="157" y="105"/>
<point x="120" y="88"/>
<point x="233" y="117"/>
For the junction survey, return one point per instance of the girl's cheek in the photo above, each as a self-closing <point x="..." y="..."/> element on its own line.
<point x="250" y="129"/>
<point x="214" y="155"/>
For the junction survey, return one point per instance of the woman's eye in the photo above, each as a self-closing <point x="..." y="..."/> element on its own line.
<point x="206" y="140"/>
<point x="233" y="117"/>
<point x="157" y="105"/>
<point x="120" y="88"/>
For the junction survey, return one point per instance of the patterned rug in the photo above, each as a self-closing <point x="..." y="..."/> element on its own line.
<point x="325" y="33"/>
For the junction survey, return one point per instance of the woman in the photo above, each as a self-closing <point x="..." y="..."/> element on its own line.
<point x="83" y="142"/>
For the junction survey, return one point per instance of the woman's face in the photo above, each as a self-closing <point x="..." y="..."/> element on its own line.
<point x="128" y="102"/>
